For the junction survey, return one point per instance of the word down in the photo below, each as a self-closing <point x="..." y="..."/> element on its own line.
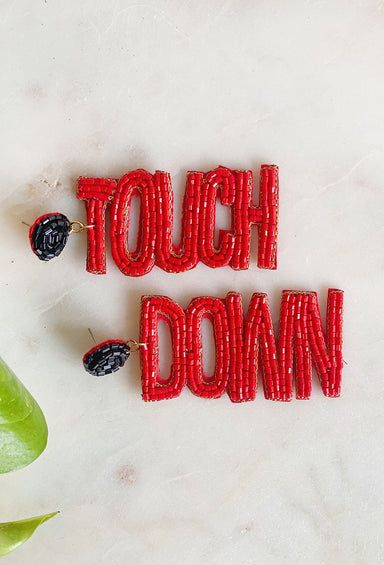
<point x="243" y="347"/>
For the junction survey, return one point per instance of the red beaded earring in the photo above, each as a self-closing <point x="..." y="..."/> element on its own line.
<point x="154" y="245"/>
<point x="242" y="347"/>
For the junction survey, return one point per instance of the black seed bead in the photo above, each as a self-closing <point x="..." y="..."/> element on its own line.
<point x="49" y="235"/>
<point x="106" y="358"/>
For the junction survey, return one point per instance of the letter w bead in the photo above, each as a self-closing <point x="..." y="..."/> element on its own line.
<point x="241" y="347"/>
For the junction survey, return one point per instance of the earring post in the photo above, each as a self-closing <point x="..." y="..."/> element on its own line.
<point x="92" y="336"/>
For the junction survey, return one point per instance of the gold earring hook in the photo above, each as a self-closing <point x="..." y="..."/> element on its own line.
<point x="78" y="227"/>
<point x="134" y="345"/>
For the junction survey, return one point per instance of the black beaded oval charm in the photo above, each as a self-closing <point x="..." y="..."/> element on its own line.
<point x="106" y="358"/>
<point x="48" y="235"/>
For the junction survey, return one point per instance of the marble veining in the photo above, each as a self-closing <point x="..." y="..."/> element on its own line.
<point x="101" y="88"/>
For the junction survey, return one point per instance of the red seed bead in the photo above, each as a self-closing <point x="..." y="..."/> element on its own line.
<point x="302" y="335"/>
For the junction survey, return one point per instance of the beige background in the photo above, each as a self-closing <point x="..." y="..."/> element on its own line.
<point x="103" y="87"/>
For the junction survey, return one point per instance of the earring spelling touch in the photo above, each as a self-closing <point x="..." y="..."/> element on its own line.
<point x="241" y="347"/>
<point x="49" y="234"/>
<point x="155" y="246"/>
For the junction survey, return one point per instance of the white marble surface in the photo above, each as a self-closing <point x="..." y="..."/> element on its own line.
<point x="102" y="87"/>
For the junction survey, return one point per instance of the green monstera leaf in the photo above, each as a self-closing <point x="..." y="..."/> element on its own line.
<point x="23" y="429"/>
<point x="13" y="534"/>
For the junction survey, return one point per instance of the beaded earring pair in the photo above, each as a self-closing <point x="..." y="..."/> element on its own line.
<point x="242" y="346"/>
